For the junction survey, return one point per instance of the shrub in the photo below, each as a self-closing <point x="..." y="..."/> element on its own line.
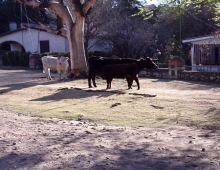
<point x="15" y="58"/>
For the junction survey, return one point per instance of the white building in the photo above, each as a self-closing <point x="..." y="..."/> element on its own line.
<point x="205" y="53"/>
<point x="33" y="40"/>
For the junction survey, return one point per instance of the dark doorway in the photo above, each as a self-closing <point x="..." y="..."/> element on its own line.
<point x="44" y="46"/>
<point x="216" y="55"/>
<point x="5" y="47"/>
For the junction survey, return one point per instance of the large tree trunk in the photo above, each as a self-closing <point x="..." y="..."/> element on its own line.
<point x="74" y="28"/>
<point x="78" y="61"/>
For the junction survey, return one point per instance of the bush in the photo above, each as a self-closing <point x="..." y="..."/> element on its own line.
<point x="162" y="65"/>
<point x="15" y="58"/>
<point x="99" y="53"/>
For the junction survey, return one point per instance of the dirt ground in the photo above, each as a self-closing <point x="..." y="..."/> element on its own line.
<point x="29" y="141"/>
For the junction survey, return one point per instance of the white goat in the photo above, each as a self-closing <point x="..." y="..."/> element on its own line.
<point x="60" y="64"/>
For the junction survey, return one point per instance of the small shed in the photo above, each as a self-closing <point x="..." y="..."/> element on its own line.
<point x="176" y="64"/>
<point x="205" y="53"/>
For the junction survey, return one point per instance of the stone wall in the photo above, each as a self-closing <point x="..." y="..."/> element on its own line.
<point x="163" y="73"/>
<point x="199" y="76"/>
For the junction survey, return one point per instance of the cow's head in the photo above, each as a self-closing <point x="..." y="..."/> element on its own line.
<point x="62" y="60"/>
<point x="147" y="63"/>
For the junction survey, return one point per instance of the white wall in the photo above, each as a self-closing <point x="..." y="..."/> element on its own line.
<point x="57" y="43"/>
<point x="15" y="46"/>
<point x="11" y="37"/>
<point x="30" y="40"/>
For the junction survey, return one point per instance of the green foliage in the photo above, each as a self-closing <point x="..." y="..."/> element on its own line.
<point x="13" y="12"/>
<point x="10" y="11"/>
<point x="99" y="53"/>
<point x="55" y="54"/>
<point x="177" y="20"/>
<point x="17" y="58"/>
<point x="169" y="23"/>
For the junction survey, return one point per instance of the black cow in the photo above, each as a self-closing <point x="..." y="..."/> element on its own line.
<point x="96" y="63"/>
<point x="128" y="71"/>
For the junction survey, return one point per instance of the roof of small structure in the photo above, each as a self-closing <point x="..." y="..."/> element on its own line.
<point x="198" y="39"/>
<point x="23" y="27"/>
<point x="212" y="39"/>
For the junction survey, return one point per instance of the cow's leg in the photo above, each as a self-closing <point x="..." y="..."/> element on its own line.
<point x="48" y="73"/>
<point x="45" y="71"/>
<point x="130" y="82"/>
<point x="127" y="79"/>
<point x="137" y="81"/>
<point x="59" y="73"/>
<point x="89" y="82"/>
<point x="110" y="83"/>
<point x="93" y="80"/>
<point x="108" y="80"/>
<point x="89" y="79"/>
<point x="65" y="75"/>
<point x="107" y="84"/>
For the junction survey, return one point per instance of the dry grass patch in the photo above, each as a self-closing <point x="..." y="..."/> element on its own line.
<point x="157" y="103"/>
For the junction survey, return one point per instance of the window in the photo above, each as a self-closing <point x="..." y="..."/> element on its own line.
<point x="207" y="54"/>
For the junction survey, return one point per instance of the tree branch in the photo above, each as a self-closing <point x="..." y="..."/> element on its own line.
<point x="33" y="3"/>
<point x="88" y="5"/>
<point x="78" y="7"/>
<point x="59" y="9"/>
<point x="58" y="31"/>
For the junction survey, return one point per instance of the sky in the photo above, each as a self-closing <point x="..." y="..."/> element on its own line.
<point x="151" y="2"/>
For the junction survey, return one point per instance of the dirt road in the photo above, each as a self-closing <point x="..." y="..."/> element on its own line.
<point x="28" y="142"/>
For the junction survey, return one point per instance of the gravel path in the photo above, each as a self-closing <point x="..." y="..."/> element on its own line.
<point x="31" y="143"/>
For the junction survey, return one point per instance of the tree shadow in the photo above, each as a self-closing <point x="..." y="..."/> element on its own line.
<point x="18" y="79"/>
<point x="22" y="85"/>
<point x="75" y="93"/>
<point x="81" y="145"/>
<point x="15" y="160"/>
<point x="31" y="78"/>
<point x="193" y="85"/>
<point x="80" y="149"/>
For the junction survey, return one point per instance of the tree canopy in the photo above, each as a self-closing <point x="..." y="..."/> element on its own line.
<point x="131" y="27"/>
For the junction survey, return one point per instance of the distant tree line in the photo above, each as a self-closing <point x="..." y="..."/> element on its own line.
<point x="133" y="29"/>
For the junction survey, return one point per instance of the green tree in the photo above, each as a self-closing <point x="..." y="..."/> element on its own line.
<point x="13" y="12"/>
<point x="177" y="20"/>
<point x="127" y="34"/>
<point x="94" y="24"/>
